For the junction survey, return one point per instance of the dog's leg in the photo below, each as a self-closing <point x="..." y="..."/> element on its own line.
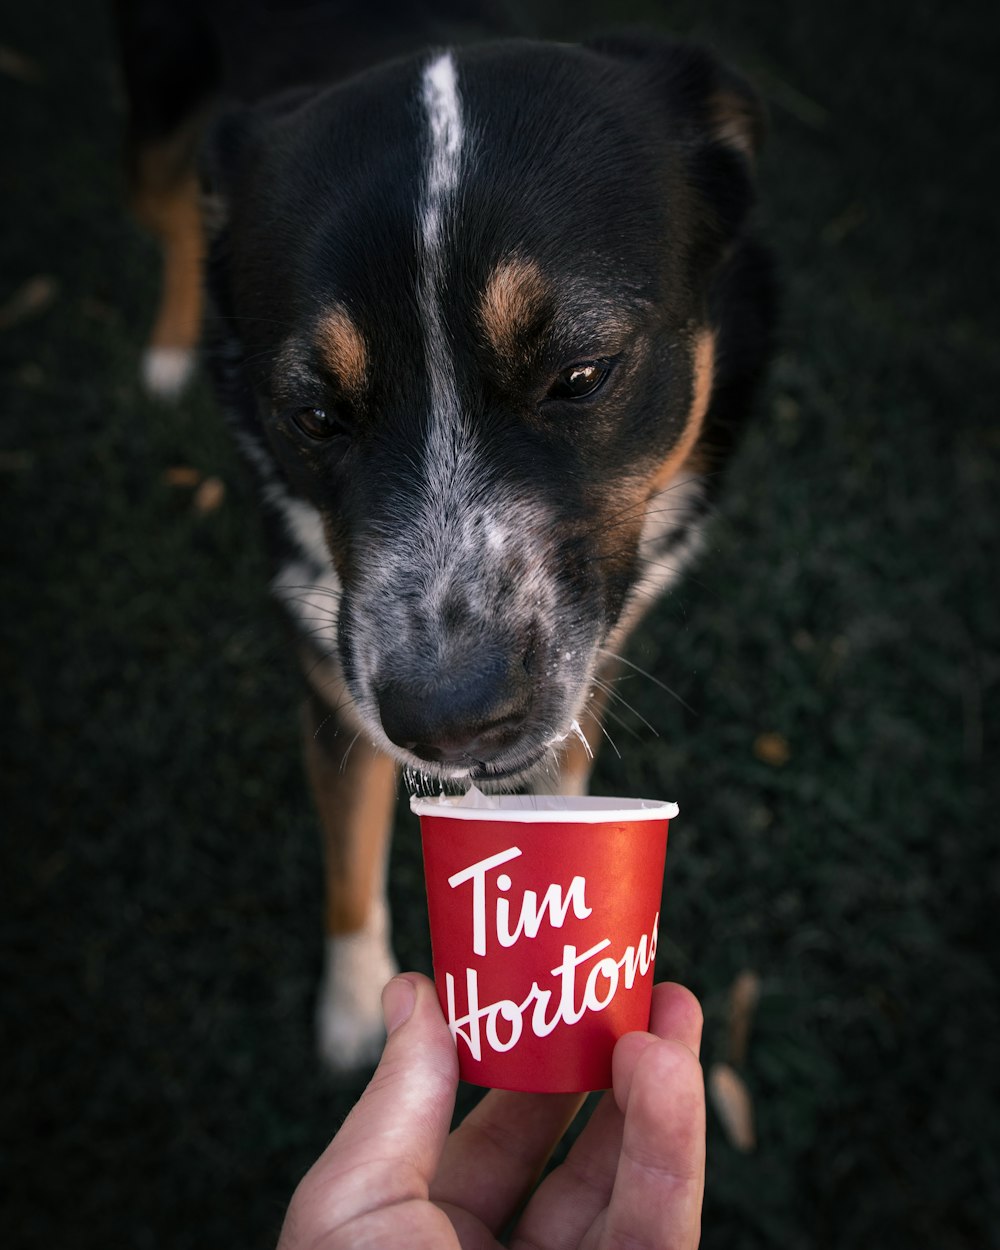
<point x="166" y="200"/>
<point x="354" y="788"/>
<point x="171" y="67"/>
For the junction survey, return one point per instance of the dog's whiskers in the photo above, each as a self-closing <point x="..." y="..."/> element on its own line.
<point x="613" y="694"/>
<point x="310" y="588"/>
<point x="350" y="748"/>
<point x="645" y="673"/>
<point x="600" y="725"/>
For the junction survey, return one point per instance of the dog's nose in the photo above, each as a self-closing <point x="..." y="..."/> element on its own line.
<point x="470" y="714"/>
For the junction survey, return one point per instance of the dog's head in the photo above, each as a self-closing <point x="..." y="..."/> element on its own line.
<point x="467" y="306"/>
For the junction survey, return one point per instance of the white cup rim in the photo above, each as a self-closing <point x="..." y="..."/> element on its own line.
<point x="543" y="808"/>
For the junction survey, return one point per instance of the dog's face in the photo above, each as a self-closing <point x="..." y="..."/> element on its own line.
<point x="467" y="303"/>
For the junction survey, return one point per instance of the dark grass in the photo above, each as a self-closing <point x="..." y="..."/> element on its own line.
<point x="160" y="885"/>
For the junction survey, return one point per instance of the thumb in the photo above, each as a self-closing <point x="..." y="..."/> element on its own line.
<point x="389" y="1146"/>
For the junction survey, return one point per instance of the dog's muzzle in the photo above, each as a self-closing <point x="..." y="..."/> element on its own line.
<point x="465" y="712"/>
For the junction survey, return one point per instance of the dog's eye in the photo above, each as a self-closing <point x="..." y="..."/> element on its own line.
<point x="316" y="422"/>
<point x="579" y="380"/>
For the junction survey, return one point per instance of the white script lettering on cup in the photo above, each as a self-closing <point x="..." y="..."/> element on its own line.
<point x="585" y="981"/>
<point x="635" y="961"/>
<point x="554" y="902"/>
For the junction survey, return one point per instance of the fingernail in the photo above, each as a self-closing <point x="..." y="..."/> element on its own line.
<point x="398" y="998"/>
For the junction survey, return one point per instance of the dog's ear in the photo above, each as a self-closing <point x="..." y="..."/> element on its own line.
<point x="698" y="89"/>
<point x="235" y="138"/>
<point x="715" y="113"/>
<point x="225" y="152"/>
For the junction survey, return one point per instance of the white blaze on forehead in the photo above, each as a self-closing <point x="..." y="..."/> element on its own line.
<point x="448" y="443"/>
<point x="444" y="119"/>
<point x="471" y="538"/>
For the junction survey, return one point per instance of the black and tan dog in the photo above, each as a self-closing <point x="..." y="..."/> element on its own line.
<point x="487" y="316"/>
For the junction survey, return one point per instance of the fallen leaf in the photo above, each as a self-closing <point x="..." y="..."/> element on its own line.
<point x="773" y="749"/>
<point x="16" y="461"/>
<point x="744" y="994"/>
<point x="17" y="65"/>
<point x="181" y="475"/>
<point x="209" y="496"/>
<point x="30" y="298"/>
<point x="733" y="1105"/>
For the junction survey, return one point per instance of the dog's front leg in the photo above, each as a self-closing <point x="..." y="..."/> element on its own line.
<point x="166" y="200"/>
<point x="354" y="788"/>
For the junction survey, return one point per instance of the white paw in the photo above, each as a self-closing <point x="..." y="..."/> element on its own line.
<point x="167" y="370"/>
<point x="349" y="1029"/>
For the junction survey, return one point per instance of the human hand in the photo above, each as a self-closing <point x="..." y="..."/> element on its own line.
<point x="393" y="1176"/>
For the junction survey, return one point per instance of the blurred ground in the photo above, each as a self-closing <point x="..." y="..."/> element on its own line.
<point x="159" y="928"/>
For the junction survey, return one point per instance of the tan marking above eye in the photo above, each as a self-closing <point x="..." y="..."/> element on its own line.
<point x="342" y="348"/>
<point x="514" y="297"/>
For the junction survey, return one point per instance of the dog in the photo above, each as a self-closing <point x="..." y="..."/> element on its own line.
<point x="487" y="318"/>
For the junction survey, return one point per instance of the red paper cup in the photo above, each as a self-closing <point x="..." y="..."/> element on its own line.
<point x="543" y="914"/>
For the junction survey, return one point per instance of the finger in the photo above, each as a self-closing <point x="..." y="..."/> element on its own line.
<point x="569" y="1200"/>
<point x="675" y="1016"/>
<point x="494" y="1157"/>
<point x="389" y="1146"/>
<point x="571" y="1197"/>
<point x="658" y="1190"/>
